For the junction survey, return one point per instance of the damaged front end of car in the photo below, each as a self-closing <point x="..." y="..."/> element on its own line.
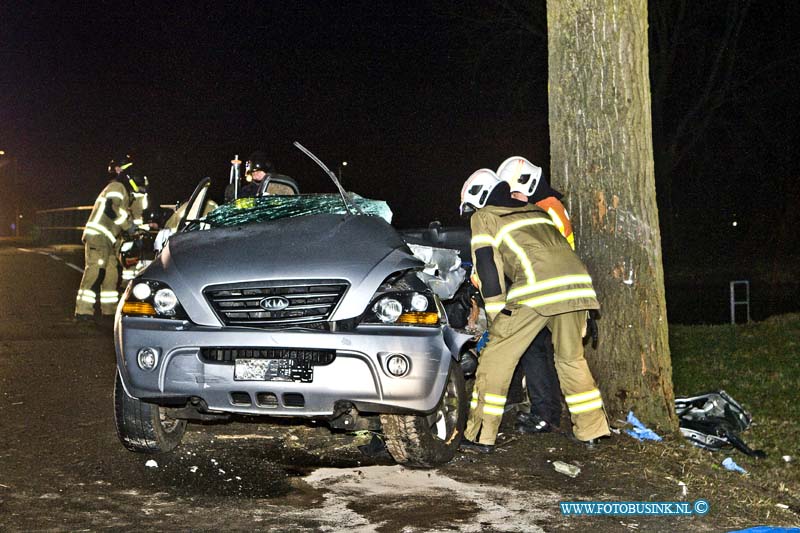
<point x="290" y="307"/>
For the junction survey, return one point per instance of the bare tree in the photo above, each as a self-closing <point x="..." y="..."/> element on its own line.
<point x="695" y="68"/>
<point x="602" y="154"/>
<point x="693" y="53"/>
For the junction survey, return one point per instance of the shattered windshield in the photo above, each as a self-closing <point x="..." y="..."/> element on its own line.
<point x="266" y="208"/>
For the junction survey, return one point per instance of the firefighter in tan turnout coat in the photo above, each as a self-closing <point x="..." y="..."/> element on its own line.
<point x="549" y="287"/>
<point x="110" y="217"/>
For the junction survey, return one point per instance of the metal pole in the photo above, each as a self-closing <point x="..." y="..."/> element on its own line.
<point x="735" y="302"/>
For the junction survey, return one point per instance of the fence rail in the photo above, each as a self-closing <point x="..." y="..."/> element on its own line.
<point x="63" y="225"/>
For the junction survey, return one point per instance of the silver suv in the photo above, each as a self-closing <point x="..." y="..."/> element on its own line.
<point x="289" y="306"/>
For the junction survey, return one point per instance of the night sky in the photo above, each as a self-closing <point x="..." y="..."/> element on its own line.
<point x="415" y="96"/>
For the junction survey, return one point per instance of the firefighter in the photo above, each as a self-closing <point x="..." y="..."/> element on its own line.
<point x="118" y="164"/>
<point x="139" y="203"/>
<point x="527" y="184"/>
<point x="101" y="237"/>
<point x="257" y="169"/>
<point x="549" y="287"/>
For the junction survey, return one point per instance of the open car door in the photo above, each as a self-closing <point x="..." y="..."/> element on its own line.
<point x="196" y="208"/>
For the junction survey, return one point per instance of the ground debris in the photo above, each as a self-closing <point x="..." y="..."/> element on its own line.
<point x="566" y="468"/>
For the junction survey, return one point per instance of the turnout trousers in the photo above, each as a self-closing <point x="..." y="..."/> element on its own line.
<point x="541" y="378"/>
<point x="510" y="335"/>
<point x="99" y="256"/>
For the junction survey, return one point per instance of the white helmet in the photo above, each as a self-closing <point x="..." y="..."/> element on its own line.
<point x="522" y="175"/>
<point x="477" y="188"/>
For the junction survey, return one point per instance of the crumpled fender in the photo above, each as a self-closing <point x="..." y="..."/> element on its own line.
<point x="455" y="341"/>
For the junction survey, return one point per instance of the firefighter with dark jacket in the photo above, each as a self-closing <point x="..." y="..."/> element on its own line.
<point x="258" y="169"/>
<point x="537" y="363"/>
<point x="111" y="216"/>
<point x="549" y="287"/>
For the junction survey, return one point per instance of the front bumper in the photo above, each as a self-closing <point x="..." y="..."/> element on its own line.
<point x="358" y="373"/>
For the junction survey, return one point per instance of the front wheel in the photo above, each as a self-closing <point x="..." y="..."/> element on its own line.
<point x="144" y="427"/>
<point x="425" y="441"/>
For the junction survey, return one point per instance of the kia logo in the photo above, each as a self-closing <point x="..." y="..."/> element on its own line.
<point x="274" y="303"/>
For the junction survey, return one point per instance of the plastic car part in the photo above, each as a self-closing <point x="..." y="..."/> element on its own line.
<point x="713" y="421"/>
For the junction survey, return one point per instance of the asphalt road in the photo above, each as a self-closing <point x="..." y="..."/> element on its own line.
<point x="63" y="469"/>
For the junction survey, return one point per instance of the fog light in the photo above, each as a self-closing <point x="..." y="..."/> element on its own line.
<point x="147" y="358"/>
<point x="397" y="365"/>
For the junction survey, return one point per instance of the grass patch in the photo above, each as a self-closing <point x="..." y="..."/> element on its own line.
<point x="759" y="366"/>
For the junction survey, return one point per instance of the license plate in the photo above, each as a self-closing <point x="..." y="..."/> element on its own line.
<point x="271" y="370"/>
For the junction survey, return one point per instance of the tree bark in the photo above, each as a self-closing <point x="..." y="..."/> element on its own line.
<point x="602" y="157"/>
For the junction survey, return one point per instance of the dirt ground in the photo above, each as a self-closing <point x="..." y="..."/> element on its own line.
<point x="255" y="476"/>
<point x="63" y="469"/>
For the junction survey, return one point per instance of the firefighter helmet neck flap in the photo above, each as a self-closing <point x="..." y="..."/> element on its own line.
<point x="522" y="175"/>
<point x="477" y="188"/>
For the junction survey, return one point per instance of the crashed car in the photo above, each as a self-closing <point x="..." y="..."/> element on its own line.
<point x="305" y="307"/>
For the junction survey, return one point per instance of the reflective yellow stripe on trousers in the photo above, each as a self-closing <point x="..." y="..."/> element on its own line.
<point x="494" y="404"/>
<point x="86" y="295"/>
<point x="109" y="297"/>
<point x="584" y="401"/>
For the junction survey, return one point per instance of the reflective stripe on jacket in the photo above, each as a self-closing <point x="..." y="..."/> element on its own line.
<point x="558" y="213"/>
<point x="139" y="204"/>
<point x="110" y="215"/>
<point x="528" y="249"/>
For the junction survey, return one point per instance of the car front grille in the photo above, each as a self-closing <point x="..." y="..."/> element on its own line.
<point x="230" y="355"/>
<point x="276" y="304"/>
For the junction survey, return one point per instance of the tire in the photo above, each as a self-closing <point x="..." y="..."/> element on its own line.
<point x="144" y="427"/>
<point x="426" y="441"/>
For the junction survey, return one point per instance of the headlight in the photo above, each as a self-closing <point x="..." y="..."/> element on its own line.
<point x="165" y="302"/>
<point x="419" y="302"/>
<point x="152" y="298"/>
<point x="403" y="308"/>
<point x="388" y="310"/>
<point x="142" y="291"/>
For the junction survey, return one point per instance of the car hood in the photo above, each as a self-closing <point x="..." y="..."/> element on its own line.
<point x="362" y="250"/>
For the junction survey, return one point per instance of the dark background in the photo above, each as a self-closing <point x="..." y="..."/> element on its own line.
<point x="394" y="90"/>
<point x="414" y="96"/>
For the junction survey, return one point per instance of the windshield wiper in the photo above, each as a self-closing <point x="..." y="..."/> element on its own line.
<point x="342" y="192"/>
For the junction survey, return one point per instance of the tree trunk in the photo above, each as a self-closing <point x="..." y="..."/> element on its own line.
<point x="602" y="157"/>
